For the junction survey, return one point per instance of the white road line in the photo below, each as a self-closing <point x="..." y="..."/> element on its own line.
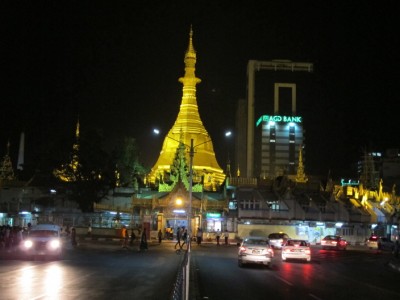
<point x="284" y="280"/>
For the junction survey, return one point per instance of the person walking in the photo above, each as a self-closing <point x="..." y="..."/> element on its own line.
<point x="184" y="238"/>
<point x="226" y="237"/>
<point x="159" y="236"/>
<point x="178" y="237"/>
<point x="218" y="235"/>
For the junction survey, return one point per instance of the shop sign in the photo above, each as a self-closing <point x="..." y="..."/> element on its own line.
<point x="213" y="215"/>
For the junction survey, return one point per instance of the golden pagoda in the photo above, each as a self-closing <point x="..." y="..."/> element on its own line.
<point x="188" y="126"/>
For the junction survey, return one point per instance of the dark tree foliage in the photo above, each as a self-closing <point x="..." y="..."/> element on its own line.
<point x="126" y="157"/>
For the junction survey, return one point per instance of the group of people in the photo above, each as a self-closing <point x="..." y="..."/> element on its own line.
<point x="10" y="236"/>
<point x="181" y="235"/>
<point x="225" y="236"/>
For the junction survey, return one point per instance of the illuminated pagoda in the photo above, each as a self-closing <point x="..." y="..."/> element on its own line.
<point x="6" y="168"/>
<point x="207" y="174"/>
<point x="71" y="172"/>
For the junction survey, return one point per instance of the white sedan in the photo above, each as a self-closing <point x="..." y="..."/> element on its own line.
<point x="296" y="249"/>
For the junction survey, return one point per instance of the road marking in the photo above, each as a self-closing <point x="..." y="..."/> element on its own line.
<point x="284" y="280"/>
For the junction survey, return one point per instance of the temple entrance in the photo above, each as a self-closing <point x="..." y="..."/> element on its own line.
<point x="176" y="223"/>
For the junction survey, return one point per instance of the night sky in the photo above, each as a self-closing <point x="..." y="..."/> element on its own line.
<point x="117" y="65"/>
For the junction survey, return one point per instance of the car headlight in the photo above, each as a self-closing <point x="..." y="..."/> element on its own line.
<point x="55" y="244"/>
<point x="28" y="244"/>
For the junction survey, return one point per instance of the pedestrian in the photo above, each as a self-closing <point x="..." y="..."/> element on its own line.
<point x="218" y="235"/>
<point x="184" y="238"/>
<point x="226" y="237"/>
<point x="143" y="242"/>
<point x="397" y="248"/>
<point x="133" y="237"/>
<point x="73" y="237"/>
<point x="159" y="236"/>
<point x="178" y="237"/>
<point x="125" y="237"/>
<point x="199" y="236"/>
<point x="89" y="230"/>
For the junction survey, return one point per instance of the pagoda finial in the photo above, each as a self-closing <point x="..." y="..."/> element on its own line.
<point x="301" y="176"/>
<point x="77" y="129"/>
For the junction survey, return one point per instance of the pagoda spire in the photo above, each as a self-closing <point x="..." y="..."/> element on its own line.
<point x="71" y="171"/>
<point x="188" y="126"/>
<point x="301" y="176"/>
<point x="6" y="168"/>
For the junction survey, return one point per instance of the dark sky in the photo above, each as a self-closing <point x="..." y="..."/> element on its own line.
<point x="117" y="64"/>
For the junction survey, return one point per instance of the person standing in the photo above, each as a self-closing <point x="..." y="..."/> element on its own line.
<point x="159" y="236"/>
<point x="133" y="237"/>
<point x="199" y="235"/>
<point x="218" y="235"/>
<point x="397" y="247"/>
<point x="178" y="237"/>
<point x="226" y="237"/>
<point x="73" y="237"/>
<point x="125" y="237"/>
<point x="143" y="242"/>
<point x="89" y="231"/>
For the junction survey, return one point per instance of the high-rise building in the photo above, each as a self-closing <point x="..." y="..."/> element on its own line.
<point x="274" y="137"/>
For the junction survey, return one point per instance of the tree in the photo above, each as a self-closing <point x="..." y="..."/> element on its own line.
<point x="127" y="162"/>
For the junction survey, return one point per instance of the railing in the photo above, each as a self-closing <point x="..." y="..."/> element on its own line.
<point x="180" y="290"/>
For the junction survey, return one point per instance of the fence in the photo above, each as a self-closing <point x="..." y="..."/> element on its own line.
<point x="181" y="285"/>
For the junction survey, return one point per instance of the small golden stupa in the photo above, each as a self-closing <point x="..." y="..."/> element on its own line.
<point x="188" y="126"/>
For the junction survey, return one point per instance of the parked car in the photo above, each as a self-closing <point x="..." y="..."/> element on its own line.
<point x="255" y="250"/>
<point x="381" y="243"/>
<point x="296" y="249"/>
<point x="277" y="239"/>
<point x="334" y="242"/>
<point x="44" y="241"/>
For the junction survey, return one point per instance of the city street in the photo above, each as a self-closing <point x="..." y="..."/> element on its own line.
<point x="104" y="270"/>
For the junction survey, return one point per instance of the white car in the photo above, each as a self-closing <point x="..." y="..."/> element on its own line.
<point x="296" y="249"/>
<point x="255" y="250"/>
<point x="44" y="241"/>
<point x="278" y="239"/>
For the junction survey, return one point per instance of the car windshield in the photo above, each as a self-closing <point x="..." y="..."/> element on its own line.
<point x="256" y="242"/>
<point x="43" y="233"/>
<point x="296" y="243"/>
<point x="276" y="236"/>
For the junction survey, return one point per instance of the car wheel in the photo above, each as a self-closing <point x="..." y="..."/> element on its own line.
<point x="240" y="264"/>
